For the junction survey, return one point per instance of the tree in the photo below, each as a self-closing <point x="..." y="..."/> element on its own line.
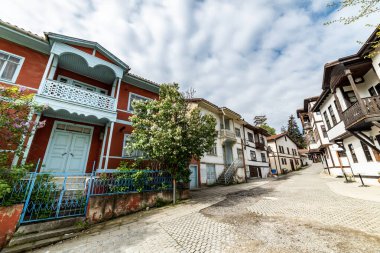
<point x="268" y="128"/>
<point x="294" y="132"/>
<point x="260" y="121"/>
<point x="16" y="108"/>
<point x="366" y="8"/>
<point x="170" y="132"/>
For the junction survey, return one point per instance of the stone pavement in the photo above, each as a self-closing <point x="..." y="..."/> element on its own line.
<point x="295" y="213"/>
<point x="355" y="190"/>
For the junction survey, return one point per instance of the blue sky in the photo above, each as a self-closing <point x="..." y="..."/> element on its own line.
<point x="255" y="57"/>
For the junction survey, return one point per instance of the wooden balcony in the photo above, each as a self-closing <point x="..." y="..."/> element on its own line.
<point x="227" y="135"/>
<point x="260" y="145"/>
<point x="357" y="118"/>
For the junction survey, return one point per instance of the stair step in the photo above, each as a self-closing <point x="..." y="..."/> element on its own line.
<point x="47" y="226"/>
<point x="25" y="239"/>
<point x="38" y="244"/>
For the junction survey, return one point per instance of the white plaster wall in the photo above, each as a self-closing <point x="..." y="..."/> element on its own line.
<point x="370" y="80"/>
<point x="362" y="166"/>
<point x="338" y="129"/>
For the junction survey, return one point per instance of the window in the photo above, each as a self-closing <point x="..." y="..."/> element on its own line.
<point x="353" y="155"/>
<point x="327" y="120"/>
<point x="211" y="173"/>
<point x="212" y="151"/>
<point x="351" y="97"/>
<point x="134" y="97"/>
<point x="250" y="137"/>
<point x="372" y="91"/>
<point x="286" y="138"/>
<point x="324" y="132"/>
<point x="367" y="153"/>
<point x="253" y="155"/>
<point x="332" y="114"/>
<point x="126" y="153"/>
<point x="296" y="162"/>
<point x="81" y="85"/>
<point x="283" y="160"/>
<point x="262" y="140"/>
<point x="281" y="148"/>
<point x="237" y="132"/>
<point x="377" y="88"/>
<point x="318" y="112"/>
<point x="263" y="157"/>
<point x="226" y="124"/>
<point x="288" y="151"/>
<point x="10" y="66"/>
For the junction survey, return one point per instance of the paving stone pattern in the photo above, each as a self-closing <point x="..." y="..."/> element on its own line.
<point x="303" y="196"/>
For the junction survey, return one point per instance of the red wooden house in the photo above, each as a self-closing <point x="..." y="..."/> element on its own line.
<point x="88" y="92"/>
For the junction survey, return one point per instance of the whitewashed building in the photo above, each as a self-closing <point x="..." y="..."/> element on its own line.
<point x="283" y="153"/>
<point x="256" y="157"/>
<point x="319" y="147"/>
<point x="350" y="109"/>
<point x="240" y="150"/>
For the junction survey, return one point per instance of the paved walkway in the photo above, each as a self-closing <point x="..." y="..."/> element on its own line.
<point x="296" y="213"/>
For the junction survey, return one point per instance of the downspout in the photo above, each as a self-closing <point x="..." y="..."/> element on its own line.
<point x="278" y="156"/>
<point x="243" y="149"/>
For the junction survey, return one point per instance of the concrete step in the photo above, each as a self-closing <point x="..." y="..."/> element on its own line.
<point x="47" y="226"/>
<point x="29" y="238"/>
<point x="37" y="244"/>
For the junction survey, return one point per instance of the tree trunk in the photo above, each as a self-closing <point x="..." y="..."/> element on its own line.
<point x="174" y="187"/>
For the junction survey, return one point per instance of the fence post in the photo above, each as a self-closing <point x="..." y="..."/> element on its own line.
<point x="31" y="186"/>
<point x="89" y="189"/>
<point x="61" y="196"/>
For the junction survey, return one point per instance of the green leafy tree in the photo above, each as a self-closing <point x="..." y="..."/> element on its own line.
<point x="365" y="8"/>
<point x="169" y="131"/>
<point x="268" y="128"/>
<point x="294" y="132"/>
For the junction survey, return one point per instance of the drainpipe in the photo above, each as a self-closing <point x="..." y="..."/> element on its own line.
<point x="278" y="156"/>
<point x="243" y="151"/>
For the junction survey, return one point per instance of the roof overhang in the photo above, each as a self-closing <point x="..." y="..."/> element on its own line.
<point x="23" y="38"/>
<point x="86" y="43"/>
<point x="141" y="83"/>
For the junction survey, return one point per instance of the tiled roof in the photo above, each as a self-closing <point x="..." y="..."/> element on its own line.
<point x="21" y="30"/>
<point x="275" y="137"/>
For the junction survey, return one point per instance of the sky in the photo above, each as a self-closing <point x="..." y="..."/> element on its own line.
<point x="260" y="57"/>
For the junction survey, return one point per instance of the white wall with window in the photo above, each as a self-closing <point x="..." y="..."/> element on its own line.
<point x="135" y="97"/>
<point x="10" y="66"/>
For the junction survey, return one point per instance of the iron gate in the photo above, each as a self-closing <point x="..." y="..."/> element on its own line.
<point x="55" y="195"/>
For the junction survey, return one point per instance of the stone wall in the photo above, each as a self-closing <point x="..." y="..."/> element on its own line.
<point x="104" y="207"/>
<point x="9" y="218"/>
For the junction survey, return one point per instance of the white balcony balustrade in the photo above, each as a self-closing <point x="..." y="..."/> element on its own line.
<point x="69" y="93"/>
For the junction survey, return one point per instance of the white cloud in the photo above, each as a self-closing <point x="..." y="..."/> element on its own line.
<point x="256" y="57"/>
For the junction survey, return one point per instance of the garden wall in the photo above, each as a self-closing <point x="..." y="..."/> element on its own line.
<point x="9" y="217"/>
<point x="104" y="207"/>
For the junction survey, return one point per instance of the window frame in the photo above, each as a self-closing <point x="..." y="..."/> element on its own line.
<point x="237" y="130"/>
<point x="332" y="115"/>
<point x="123" y="154"/>
<point x="214" y="149"/>
<point x="263" y="157"/>
<point x="129" y="100"/>
<point x="352" y="152"/>
<point x="250" y="139"/>
<point x="366" y="151"/>
<point x="328" y="124"/>
<point x="250" y="155"/>
<point x="18" y="69"/>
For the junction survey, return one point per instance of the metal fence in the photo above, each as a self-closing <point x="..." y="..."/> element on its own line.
<point x="48" y="196"/>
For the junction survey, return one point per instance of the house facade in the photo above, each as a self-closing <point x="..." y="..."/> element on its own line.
<point x="255" y="147"/>
<point x="240" y="147"/>
<point x="283" y="153"/>
<point x="350" y="108"/>
<point x="87" y="92"/>
<point x="319" y="147"/>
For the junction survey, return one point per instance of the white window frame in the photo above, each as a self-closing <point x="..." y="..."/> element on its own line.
<point x="17" y="72"/>
<point x="71" y="80"/>
<point x="213" y="151"/>
<point x="129" y="100"/>
<point x="124" y="151"/>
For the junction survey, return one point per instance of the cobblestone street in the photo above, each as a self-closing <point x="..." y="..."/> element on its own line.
<point x="296" y="213"/>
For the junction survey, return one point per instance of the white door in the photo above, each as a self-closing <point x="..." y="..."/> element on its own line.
<point x="67" y="152"/>
<point x="211" y="174"/>
<point x="56" y="157"/>
<point x="193" y="176"/>
<point x="76" y="158"/>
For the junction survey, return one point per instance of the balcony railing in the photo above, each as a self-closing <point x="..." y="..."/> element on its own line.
<point x="259" y="145"/>
<point x="76" y="95"/>
<point x="355" y="113"/>
<point x="227" y="134"/>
